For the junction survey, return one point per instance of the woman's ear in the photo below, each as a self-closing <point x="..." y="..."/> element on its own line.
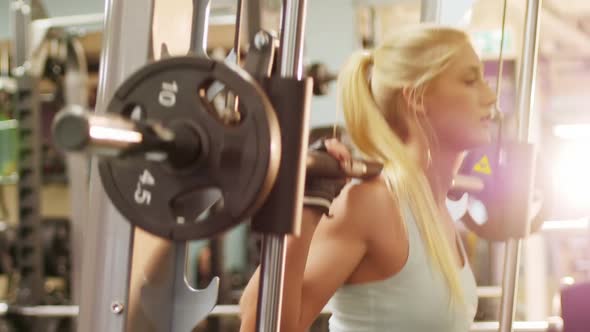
<point x="409" y="95"/>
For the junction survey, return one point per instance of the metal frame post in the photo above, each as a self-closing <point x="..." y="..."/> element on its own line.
<point x="430" y="10"/>
<point x="273" y="246"/>
<point x="525" y="104"/>
<point x="445" y="11"/>
<point x="108" y="238"/>
<point x="76" y="94"/>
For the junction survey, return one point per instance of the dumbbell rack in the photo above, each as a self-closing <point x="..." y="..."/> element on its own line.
<point x="28" y="310"/>
<point x="29" y="255"/>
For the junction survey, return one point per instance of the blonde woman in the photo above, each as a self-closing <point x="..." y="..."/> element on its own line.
<point x="388" y="256"/>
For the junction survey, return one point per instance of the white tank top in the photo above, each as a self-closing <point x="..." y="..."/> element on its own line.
<point x="416" y="299"/>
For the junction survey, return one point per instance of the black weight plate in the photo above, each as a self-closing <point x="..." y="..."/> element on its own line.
<point x="240" y="160"/>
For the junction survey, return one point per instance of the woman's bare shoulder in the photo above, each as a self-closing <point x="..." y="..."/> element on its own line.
<point x="366" y="200"/>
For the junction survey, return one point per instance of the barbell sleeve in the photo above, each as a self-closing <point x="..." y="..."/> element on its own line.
<point x="114" y="136"/>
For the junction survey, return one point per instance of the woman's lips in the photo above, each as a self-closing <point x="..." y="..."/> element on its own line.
<point x="487" y="120"/>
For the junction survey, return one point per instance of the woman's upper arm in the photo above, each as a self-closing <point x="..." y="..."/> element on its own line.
<point x="338" y="245"/>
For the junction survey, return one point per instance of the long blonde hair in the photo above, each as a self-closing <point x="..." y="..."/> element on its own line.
<point x="375" y="90"/>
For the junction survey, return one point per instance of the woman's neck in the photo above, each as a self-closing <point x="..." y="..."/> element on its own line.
<point x="440" y="165"/>
<point x="442" y="170"/>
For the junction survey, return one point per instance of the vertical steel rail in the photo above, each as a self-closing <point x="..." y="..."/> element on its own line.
<point x="525" y="107"/>
<point x="108" y="239"/>
<point x="273" y="246"/>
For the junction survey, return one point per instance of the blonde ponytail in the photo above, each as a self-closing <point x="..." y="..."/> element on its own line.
<point x="366" y="123"/>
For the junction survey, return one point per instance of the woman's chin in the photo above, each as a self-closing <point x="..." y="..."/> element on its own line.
<point x="470" y="141"/>
<point x="481" y="140"/>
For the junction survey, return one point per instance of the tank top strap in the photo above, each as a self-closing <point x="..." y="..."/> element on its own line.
<point x="409" y="219"/>
<point x="417" y="251"/>
<point x="415" y="236"/>
<point x="462" y="247"/>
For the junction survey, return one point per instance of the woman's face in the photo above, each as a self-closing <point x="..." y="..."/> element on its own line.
<point x="459" y="103"/>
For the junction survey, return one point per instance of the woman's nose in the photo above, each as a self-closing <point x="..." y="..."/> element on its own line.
<point x="489" y="97"/>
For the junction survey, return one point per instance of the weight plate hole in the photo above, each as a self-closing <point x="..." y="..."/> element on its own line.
<point x="221" y="103"/>
<point x="197" y="205"/>
<point x="213" y="209"/>
<point x="135" y="112"/>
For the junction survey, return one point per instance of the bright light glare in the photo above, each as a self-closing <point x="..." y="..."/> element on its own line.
<point x="567" y="280"/>
<point x="575" y="224"/>
<point x="115" y="134"/>
<point x="572" y="131"/>
<point x="571" y="173"/>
